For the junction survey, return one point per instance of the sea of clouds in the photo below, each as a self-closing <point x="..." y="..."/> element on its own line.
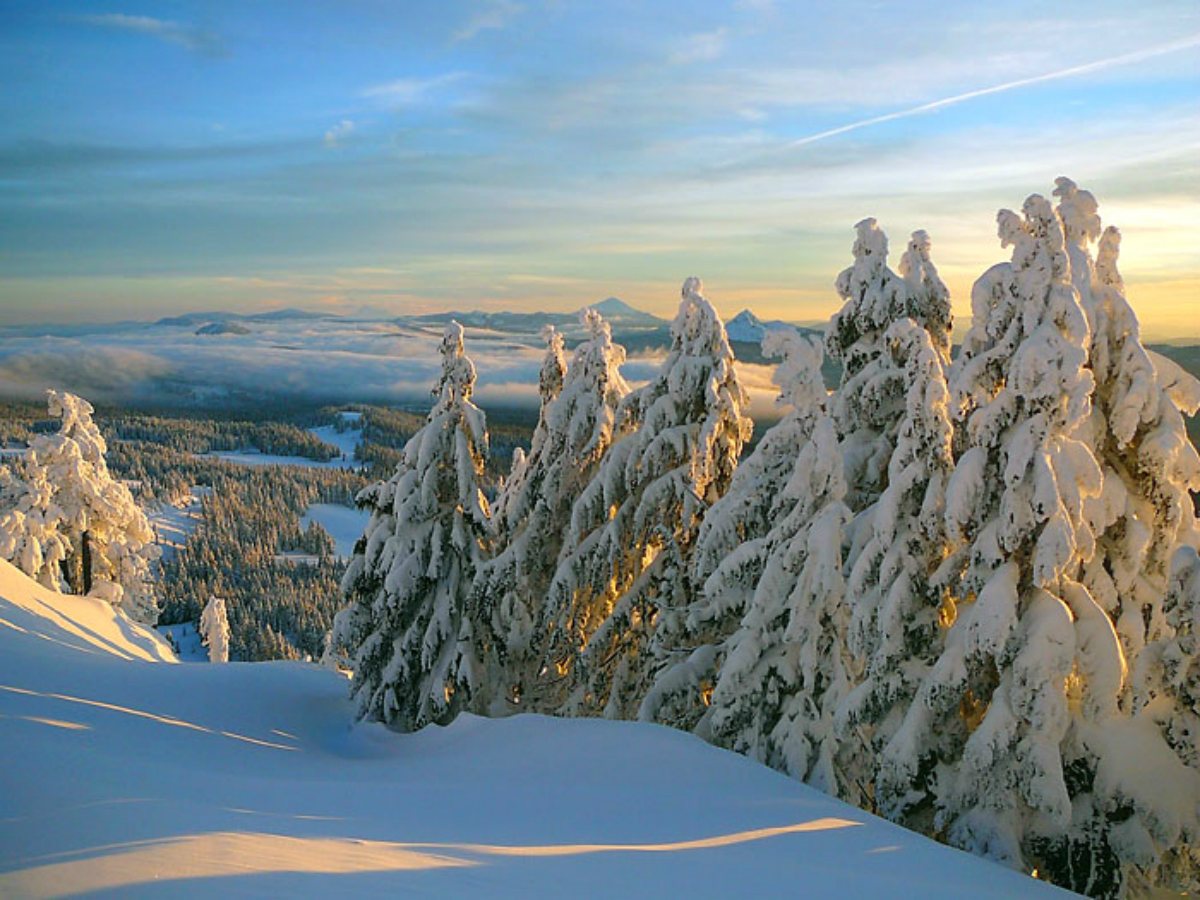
<point x="332" y="360"/>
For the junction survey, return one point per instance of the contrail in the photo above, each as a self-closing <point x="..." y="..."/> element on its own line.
<point x="1124" y="59"/>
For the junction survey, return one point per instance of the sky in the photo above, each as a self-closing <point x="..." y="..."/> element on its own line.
<point x="388" y="158"/>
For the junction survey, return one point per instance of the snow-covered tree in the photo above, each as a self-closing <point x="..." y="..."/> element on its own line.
<point x="731" y="546"/>
<point x="633" y="527"/>
<point x="420" y="653"/>
<point x="214" y="630"/>
<point x="1029" y="656"/>
<point x="1136" y="431"/>
<point x="66" y="522"/>
<point x="786" y="667"/>
<point x="512" y="503"/>
<point x="1126" y="834"/>
<point x="574" y="431"/>
<point x="867" y="412"/>
<point x="895" y="600"/>
<point x="1157" y="779"/>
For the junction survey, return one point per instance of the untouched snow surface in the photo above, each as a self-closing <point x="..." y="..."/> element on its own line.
<point x="345" y="524"/>
<point x="122" y="778"/>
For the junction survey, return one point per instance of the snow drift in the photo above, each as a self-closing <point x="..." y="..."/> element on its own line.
<point x="125" y="777"/>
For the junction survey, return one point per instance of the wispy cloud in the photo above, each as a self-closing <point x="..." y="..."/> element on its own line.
<point x="495" y="15"/>
<point x="407" y="91"/>
<point x="338" y="133"/>
<point x="703" y="47"/>
<point x="1085" y="69"/>
<point x="190" y="37"/>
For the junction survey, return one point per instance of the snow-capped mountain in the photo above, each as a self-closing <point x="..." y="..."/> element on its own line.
<point x="748" y="328"/>
<point x="618" y="313"/>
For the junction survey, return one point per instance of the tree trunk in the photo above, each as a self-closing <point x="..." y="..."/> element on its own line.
<point x="87" y="564"/>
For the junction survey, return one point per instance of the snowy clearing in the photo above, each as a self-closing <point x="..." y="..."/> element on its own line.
<point x="174" y="524"/>
<point x="345" y="442"/>
<point x="246" y="779"/>
<point x="345" y="524"/>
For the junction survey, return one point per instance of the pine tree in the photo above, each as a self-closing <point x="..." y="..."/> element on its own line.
<point x="896" y="601"/>
<point x="420" y="652"/>
<point x="214" y="630"/>
<point x="66" y="522"/>
<point x="1126" y="834"/>
<point x="731" y="547"/>
<point x="633" y="527"/>
<point x="575" y="429"/>
<point x="1137" y="432"/>
<point x="786" y="668"/>
<point x="1029" y="657"/>
<point x="867" y="412"/>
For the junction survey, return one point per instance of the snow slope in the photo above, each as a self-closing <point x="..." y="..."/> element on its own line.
<point x="173" y="525"/>
<point x="122" y="778"/>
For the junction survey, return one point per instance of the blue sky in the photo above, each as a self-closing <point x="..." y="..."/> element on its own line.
<point x="159" y="157"/>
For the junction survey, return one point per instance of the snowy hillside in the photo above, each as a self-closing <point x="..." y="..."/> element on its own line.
<point x="129" y="779"/>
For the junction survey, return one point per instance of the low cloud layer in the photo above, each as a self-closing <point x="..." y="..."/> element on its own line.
<point x="326" y="360"/>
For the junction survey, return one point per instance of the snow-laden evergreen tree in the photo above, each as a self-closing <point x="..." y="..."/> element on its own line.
<point x="513" y="499"/>
<point x="420" y="652"/>
<point x="214" y="630"/>
<point x="731" y="547"/>
<point x="873" y="298"/>
<point x="633" y="527"/>
<point x="786" y="667"/>
<point x="895" y="600"/>
<point x="1161" y="782"/>
<point x="575" y="429"/>
<point x="66" y="522"/>
<point x="1029" y="658"/>
<point x="1136" y="431"/>
<point x="1125" y="832"/>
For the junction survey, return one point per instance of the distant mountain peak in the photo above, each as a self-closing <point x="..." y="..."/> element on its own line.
<point x="748" y="328"/>
<point x="617" y="310"/>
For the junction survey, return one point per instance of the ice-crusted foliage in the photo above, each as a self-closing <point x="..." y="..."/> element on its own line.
<point x="1030" y="657"/>
<point x="65" y="521"/>
<point x="731" y="546"/>
<point x="632" y="529"/>
<point x="786" y="668"/>
<point x="512" y="503"/>
<point x="214" y="630"/>
<point x="420" y="651"/>
<point x="1136" y="431"/>
<point x="896" y="605"/>
<point x="929" y="296"/>
<point x="575" y="429"/>
<point x="1127" y="832"/>
<point x="868" y="406"/>
<point x="1165" y="799"/>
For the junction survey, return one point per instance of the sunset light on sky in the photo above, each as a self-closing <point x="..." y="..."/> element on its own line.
<point x="394" y="158"/>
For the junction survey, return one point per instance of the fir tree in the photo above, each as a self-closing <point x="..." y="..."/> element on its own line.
<point x="1029" y="656"/>
<point x="575" y="429"/>
<point x="1137" y="433"/>
<point x="786" y="668"/>
<point x="420" y="653"/>
<point x="214" y="630"/>
<point x="866" y="410"/>
<point x="69" y="524"/>
<point x="731" y="545"/>
<point x="896" y="602"/>
<point x="633" y="527"/>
